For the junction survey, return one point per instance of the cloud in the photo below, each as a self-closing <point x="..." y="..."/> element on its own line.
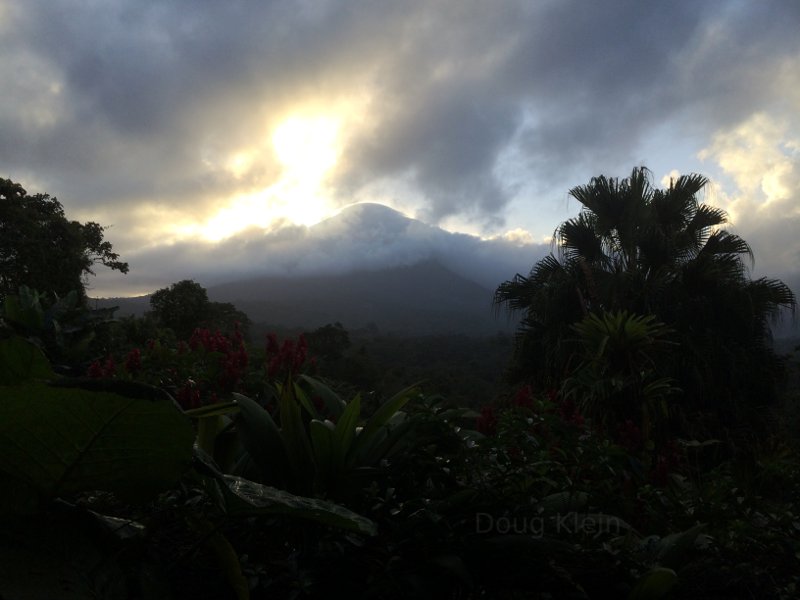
<point x="361" y="237"/>
<point x="154" y="116"/>
<point x="761" y="156"/>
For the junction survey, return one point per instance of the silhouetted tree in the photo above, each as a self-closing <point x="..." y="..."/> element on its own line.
<point x="182" y="307"/>
<point x="226" y="317"/>
<point x="654" y="252"/>
<point x="42" y="249"/>
<point x="329" y="342"/>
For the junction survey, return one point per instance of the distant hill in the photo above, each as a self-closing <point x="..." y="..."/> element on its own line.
<point x="420" y="299"/>
<point x="129" y="306"/>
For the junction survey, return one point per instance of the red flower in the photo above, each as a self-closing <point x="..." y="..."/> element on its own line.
<point x="570" y="413"/>
<point x="133" y="362"/>
<point x="523" y="398"/>
<point x="188" y="396"/>
<point x="95" y="370"/>
<point x="109" y="367"/>
<point x="666" y="462"/>
<point x="272" y="344"/>
<point x="630" y="436"/>
<point x="287" y="357"/>
<point x="486" y="423"/>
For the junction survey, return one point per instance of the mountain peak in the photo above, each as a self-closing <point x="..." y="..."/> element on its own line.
<point x="365" y="215"/>
<point x="371" y="210"/>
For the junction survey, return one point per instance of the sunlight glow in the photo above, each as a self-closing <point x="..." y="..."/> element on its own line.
<point x="307" y="148"/>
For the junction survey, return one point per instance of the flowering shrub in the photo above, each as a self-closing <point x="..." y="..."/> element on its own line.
<point x="207" y="367"/>
<point x="288" y="358"/>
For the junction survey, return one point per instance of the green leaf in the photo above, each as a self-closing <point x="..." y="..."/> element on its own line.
<point x="562" y="502"/>
<point x="295" y="438"/>
<point x="245" y="497"/>
<point x="24" y="309"/>
<point x="323" y="445"/>
<point x="21" y="360"/>
<point x="208" y="428"/>
<point x="211" y="410"/>
<point x="305" y="402"/>
<point x="66" y="440"/>
<point x="227" y="557"/>
<point x="389" y="440"/>
<point x="654" y="584"/>
<point x="366" y="438"/>
<point x="345" y="430"/>
<point x="672" y="548"/>
<point x="261" y="438"/>
<point x="333" y="403"/>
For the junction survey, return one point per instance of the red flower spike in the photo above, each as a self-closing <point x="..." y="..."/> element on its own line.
<point x="486" y="423"/>
<point x="523" y="398"/>
<point x="95" y="370"/>
<point x="109" y="367"/>
<point x="272" y="344"/>
<point x="133" y="362"/>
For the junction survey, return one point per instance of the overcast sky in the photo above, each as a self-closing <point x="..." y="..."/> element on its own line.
<point x="182" y="123"/>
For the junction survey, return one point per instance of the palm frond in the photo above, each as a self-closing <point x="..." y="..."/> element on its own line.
<point x="769" y="296"/>
<point x="707" y="216"/>
<point x="578" y="237"/>
<point x="689" y="185"/>
<point x="721" y="242"/>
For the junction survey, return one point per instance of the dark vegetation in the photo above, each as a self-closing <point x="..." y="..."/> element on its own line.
<point x="638" y="438"/>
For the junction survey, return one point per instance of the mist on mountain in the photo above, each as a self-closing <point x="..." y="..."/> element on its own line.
<point x="368" y="265"/>
<point x="362" y="237"/>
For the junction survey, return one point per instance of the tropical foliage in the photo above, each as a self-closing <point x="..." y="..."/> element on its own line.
<point x="139" y="462"/>
<point x="659" y="252"/>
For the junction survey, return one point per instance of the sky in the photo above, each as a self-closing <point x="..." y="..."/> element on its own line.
<point x="209" y="134"/>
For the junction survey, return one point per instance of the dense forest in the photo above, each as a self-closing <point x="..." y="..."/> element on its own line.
<point x="636" y="437"/>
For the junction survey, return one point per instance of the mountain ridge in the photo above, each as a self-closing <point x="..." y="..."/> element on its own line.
<point x="419" y="299"/>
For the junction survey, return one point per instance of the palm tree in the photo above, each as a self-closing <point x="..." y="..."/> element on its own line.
<point x="654" y="252"/>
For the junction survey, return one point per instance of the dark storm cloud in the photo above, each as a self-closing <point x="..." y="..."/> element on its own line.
<point x="116" y="104"/>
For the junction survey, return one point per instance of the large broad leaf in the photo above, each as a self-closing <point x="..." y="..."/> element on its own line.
<point x="345" y="430"/>
<point x="238" y="496"/>
<point x="295" y="438"/>
<point x="333" y="403"/>
<point x="245" y="497"/>
<point x="64" y="440"/>
<point x="362" y="448"/>
<point x="262" y="439"/>
<point x="21" y="360"/>
<point x="654" y="584"/>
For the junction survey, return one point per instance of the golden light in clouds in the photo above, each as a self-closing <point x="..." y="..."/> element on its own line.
<point x="307" y="148"/>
